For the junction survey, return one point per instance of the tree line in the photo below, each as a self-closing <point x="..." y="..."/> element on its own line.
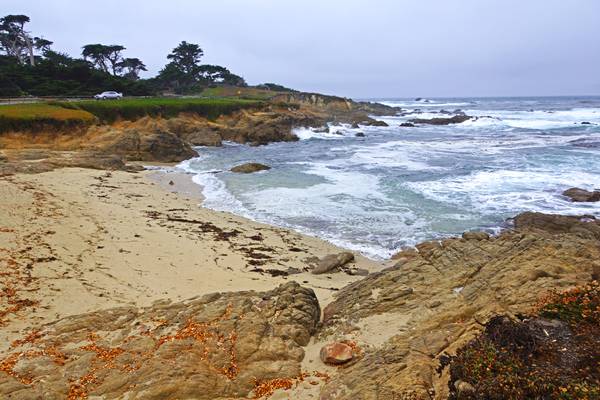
<point x="29" y="66"/>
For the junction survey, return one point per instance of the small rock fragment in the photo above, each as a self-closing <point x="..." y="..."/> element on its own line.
<point x="336" y="353"/>
<point x="464" y="387"/>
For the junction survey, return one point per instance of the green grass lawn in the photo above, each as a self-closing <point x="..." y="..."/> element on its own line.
<point x="55" y="114"/>
<point x="239" y="92"/>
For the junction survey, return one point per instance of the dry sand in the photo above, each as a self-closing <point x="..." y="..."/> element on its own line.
<point x="78" y="240"/>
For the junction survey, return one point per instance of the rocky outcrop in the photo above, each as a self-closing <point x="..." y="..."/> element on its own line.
<point x="139" y="145"/>
<point x="249" y="168"/>
<point x="584" y="226"/>
<point x="581" y="195"/>
<point x="218" y="346"/>
<point x="456" y="119"/>
<point x="195" y="131"/>
<point x="435" y="299"/>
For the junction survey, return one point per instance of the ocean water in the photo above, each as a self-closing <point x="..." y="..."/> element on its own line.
<point x="399" y="186"/>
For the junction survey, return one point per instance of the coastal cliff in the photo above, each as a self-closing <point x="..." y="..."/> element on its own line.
<point x="160" y="136"/>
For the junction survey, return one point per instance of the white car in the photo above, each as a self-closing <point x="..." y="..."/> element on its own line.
<point x="108" y="95"/>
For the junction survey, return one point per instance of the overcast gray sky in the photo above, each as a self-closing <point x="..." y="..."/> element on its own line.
<point x="357" y="48"/>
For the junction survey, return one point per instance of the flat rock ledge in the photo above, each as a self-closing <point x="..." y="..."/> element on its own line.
<point x="218" y="346"/>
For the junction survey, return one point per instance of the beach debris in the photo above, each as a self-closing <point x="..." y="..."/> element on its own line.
<point x="265" y="389"/>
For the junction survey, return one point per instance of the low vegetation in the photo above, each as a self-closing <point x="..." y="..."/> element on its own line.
<point x="552" y="354"/>
<point x="252" y="93"/>
<point x="131" y="109"/>
<point x="20" y="117"/>
<point x="57" y="115"/>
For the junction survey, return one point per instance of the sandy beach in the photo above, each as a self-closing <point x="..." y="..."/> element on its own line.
<point x="104" y="239"/>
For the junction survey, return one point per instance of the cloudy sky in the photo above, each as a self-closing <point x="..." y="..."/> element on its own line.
<point x="358" y="48"/>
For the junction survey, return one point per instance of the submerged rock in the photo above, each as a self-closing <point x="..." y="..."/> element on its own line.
<point x="249" y="168"/>
<point x="582" y="195"/>
<point x="359" y="134"/>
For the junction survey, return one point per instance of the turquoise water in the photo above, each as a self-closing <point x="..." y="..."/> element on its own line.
<point x="399" y="186"/>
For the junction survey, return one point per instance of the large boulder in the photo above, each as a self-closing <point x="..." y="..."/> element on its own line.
<point x="249" y="168"/>
<point x="139" y="143"/>
<point x="217" y="346"/>
<point x="582" y="195"/>
<point x="163" y="147"/>
<point x="332" y="262"/>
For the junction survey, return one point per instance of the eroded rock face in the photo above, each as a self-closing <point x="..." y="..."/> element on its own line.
<point x="436" y="299"/>
<point x="214" y="347"/>
<point x="581" y="195"/>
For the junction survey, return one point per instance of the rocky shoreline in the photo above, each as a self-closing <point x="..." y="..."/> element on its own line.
<point x="262" y="333"/>
<point x="115" y="284"/>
